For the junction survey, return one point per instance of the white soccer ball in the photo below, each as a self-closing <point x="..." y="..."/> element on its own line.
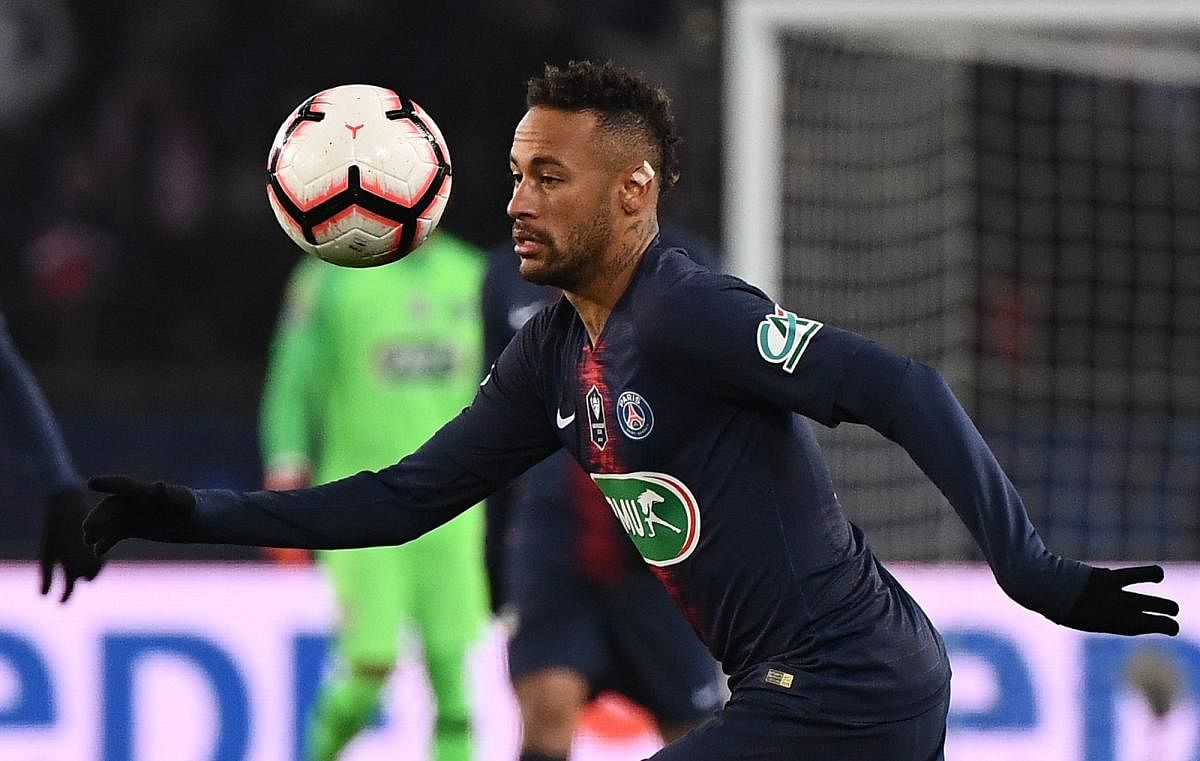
<point x="358" y="175"/>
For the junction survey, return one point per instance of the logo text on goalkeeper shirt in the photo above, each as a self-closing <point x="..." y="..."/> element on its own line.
<point x="401" y="361"/>
<point x="658" y="512"/>
<point x="783" y="336"/>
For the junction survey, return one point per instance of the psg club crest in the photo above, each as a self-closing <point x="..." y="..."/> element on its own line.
<point x="634" y="415"/>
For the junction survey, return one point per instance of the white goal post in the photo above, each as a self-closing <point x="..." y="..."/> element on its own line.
<point x="1051" y="34"/>
<point x="1008" y="190"/>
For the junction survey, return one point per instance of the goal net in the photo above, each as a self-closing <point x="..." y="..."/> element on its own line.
<point x="1009" y="191"/>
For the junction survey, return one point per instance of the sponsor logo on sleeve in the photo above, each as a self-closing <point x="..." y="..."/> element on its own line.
<point x="783" y="336"/>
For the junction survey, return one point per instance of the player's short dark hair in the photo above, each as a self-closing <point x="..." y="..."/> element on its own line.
<point x="624" y="102"/>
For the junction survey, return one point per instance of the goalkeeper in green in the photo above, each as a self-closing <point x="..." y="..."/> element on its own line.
<point x="365" y="366"/>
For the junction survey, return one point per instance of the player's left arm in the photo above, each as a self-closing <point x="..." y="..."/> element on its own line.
<point x="910" y="403"/>
<point x="504" y="431"/>
<point x="739" y="343"/>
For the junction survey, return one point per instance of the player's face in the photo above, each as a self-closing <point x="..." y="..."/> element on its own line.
<point x="563" y="201"/>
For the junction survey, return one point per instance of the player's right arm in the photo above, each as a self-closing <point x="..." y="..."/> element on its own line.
<point x="504" y="431"/>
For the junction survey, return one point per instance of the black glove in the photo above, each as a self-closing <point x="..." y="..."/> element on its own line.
<point x="62" y="542"/>
<point x="135" y="509"/>
<point x="1105" y="606"/>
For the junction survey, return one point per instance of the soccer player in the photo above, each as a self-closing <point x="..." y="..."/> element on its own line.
<point x="677" y="390"/>
<point x="366" y="364"/>
<point x="586" y="613"/>
<point x="27" y="423"/>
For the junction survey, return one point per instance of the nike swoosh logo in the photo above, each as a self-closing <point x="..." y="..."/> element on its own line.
<point x="563" y="422"/>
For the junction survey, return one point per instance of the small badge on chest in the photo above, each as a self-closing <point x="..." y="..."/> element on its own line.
<point x="596" y="425"/>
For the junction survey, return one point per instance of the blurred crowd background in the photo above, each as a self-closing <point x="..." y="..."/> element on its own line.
<point x="142" y="269"/>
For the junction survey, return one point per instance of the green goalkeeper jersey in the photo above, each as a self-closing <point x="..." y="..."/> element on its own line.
<point x="367" y="364"/>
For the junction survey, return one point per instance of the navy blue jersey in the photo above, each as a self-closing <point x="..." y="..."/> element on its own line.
<point x="689" y="414"/>
<point x="554" y="506"/>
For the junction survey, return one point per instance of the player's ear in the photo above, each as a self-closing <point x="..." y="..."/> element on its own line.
<point x="638" y="188"/>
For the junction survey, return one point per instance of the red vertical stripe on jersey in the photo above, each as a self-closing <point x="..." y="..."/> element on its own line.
<point x="667" y="577"/>
<point x="600" y="546"/>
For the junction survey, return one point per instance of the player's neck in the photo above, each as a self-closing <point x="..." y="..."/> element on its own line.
<point x="594" y="300"/>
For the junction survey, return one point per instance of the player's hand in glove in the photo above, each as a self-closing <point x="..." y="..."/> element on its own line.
<point x="135" y="509"/>
<point x="1106" y="606"/>
<point x="62" y="542"/>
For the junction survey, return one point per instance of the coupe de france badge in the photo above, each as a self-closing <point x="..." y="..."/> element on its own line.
<point x="634" y="415"/>
<point x="595" y="408"/>
<point x="783" y="336"/>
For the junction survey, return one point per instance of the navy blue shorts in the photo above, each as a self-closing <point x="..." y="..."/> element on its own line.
<point x="630" y="638"/>
<point x="761" y="724"/>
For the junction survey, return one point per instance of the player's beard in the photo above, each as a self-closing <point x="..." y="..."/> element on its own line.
<point x="576" y="261"/>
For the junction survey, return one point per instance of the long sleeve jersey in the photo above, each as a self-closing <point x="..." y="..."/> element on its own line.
<point x="689" y="413"/>
<point x="554" y="506"/>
